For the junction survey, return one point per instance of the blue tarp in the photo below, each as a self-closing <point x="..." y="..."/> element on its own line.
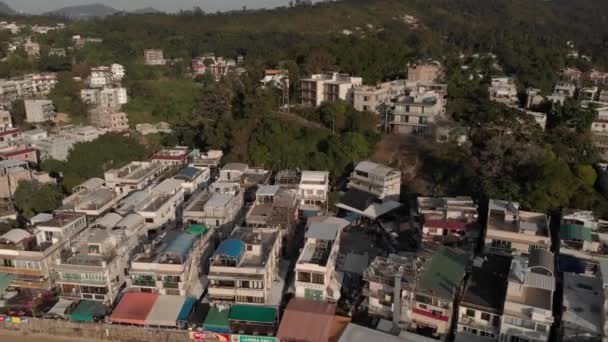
<point x="232" y="248"/>
<point x="188" y="172"/>
<point x="352" y="217"/>
<point x="184" y="313"/>
<point x="181" y="245"/>
<point x="570" y="264"/>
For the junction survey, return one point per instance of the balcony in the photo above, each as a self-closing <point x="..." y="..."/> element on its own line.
<point x="144" y="282"/>
<point x="478" y="324"/>
<point x="171" y="285"/>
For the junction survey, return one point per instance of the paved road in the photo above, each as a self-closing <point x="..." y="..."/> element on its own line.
<point x="10" y="336"/>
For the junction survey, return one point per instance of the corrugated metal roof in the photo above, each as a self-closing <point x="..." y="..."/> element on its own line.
<point x="322" y="231"/>
<point x="186" y="309"/>
<point x="181" y="245"/>
<point x="217" y="321"/>
<point x="540" y="257"/>
<point x="5" y="281"/>
<point x="165" y="311"/>
<point x="188" y="173"/>
<point x="250" y="313"/>
<point x="87" y="310"/>
<point x="539" y="281"/>
<point x="307" y="320"/>
<point x="15" y="235"/>
<point x="134" y="308"/>
<point x="233" y="248"/>
<point x="357" y="333"/>
<point x="574" y="232"/>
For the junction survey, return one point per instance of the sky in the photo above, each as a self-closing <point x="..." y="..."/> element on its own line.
<point x="40" y="6"/>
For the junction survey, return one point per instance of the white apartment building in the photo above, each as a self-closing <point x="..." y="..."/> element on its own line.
<point x="583" y="317"/>
<point x="56" y="147"/>
<point x="528" y="314"/>
<point x="39" y="110"/>
<point x="118" y="72"/>
<point x="26" y="256"/>
<point x="193" y="179"/>
<point x="112" y="97"/>
<point x="83" y="133"/>
<point x="376" y="179"/>
<point x="329" y="87"/>
<point x="109" y="119"/>
<point x="503" y="90"/>
<point x="170" y="264"/>
<point x="378" y="98"/>
<point x="562" y="91"/>
<point x="232" y="172"/>
<point x="218" y="207"/>
<point x="91" y="198"/>
<point x="217" y="67"/>
<point x="313" y="190"/>
<point x="171" y="157"/>
<point x="316" y="275"/>
<point x="93" y="265"/>
<point x="418" y="111"/>
<point x="245" y="267"/>
<point x="100" y="77"/>
<point x="162" y="204"/>
<point x="134" y="176"/>
<point x="510" y="230"/>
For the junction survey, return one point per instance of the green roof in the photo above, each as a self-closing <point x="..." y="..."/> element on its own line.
<point x="251" y="313"/>
<point x="5" y="281"/>
<point x="574" y="232"/>
<point x="444" y="273"/>
<point x="198" y="229"/>
<point x="217" y="319"/>
<point x="87" y="310"/>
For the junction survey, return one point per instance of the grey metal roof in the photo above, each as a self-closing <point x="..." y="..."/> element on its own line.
<point x="322" y="231"/>
<point x="541" y="257"/>
<point x="357" y="333"/>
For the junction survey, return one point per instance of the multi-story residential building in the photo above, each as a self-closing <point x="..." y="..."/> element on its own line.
<point x="112" y="97"/>
<point x="43" y="83"/>
<point x="10" y="136"/>
<point x="100" y="77"/>
<point x="480" y="310"/>
<point x="316" y="274"/>
<point x="233" y="172"/>
<point x="328" y="88"/>
<point x="162" y="204"/>
<point x="425" y="72"/>
<point x="219" y="207"/>
<point x="193" y="179"/>
<point x="584" y="298"/>
<point x="171" y="264"/>
<point x="6" y="121"/>
<point x="588" y="94"/>
<point x="583" y="243"/>
<point x="533" y="97"/>
<point x="510" y="230"/>
<point x="58" y="52"/>
<point x="604" y="96"/>
<point x="448" y="219"/>
<point x="32" y="49"/>
<point x="134" y="176"/>
<point x="27" y="256"/>
<point x="91" y="198"/>
<point x="313" y="190"/>
<point x="19" y="152"/>
<point x="111" y="120"/>
<point x="168" y="157"/>
<point x="381" y="181"/>
<point x="90" y="95"/>
<point x="503" y="90"/>
<point x="377" y="99"/>
<point x="437" y="290"/>
<point x="118" y="72"/>
<point x="572" y="75"/>
<point x="599" y="134"/>
<point x="83" y="133"/>
<point x="92" y="266"/>
<point x="274" y="207"/>
<point x="34" y="135"/>
<point x="528" y="308"/>
<point x="11" y="173"/>
<point x="276" y="78"/>
<point x="217" y="67"/>
<point x="562" y="91"/>
<point x="39" y="110"/>
<point x="154" y="57"/>
<point x="210" y="159"/>
<point x="56" y="147"/>
<point x="418" y="111"/>
<point x="245" y="267"/>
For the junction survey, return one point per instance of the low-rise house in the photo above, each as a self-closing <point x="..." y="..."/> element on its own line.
<point x="6" y="122"/>
<point x="571" y="74"/>
<point x="528" y="308"/>
<point x="233" y="172"/>
<point x="11" y="173"/>
<point x="480" y="310"/>
<point x="162" y="204"/>
<point x="19" y="152"/>
<point x="562" y="91"/>
<point x="313" y="190"/>
<point x="307" y="321"/>
<point x="171" y="264"/>
<point x="329" y="87"/>
<point x="26" y="256"/>
<point x="588" y="93"/>
<point x="110" y="120"/>
<point x="379" y="98"/>
<point x="56" y="147"/>
<point x="425" y="72"/>
<point x="437" y="290"/>
<point x="599" y="134"/>
<point x="168" y="157"/>
<point x="154" y="57"/>
<point x="533" y="97"/>
<point x="210" y="159"/>
<point x="219" y="207"/>
<point x="274" y="207"/>
<point x="112" y="98"/>
<point x="217" y="67"/>
<point x="582" y="317"/>
<point x="33" y="136"/>
<point x="32" y="49"/>
<point x="510" y="230"/>
<point x="503" y="90"/>
<point x="376" y="179"/>
<point x="193" y="179"/>
<point x="91" y="198"/>
<point x="39" y="111"/>
<point x="93" y="264"/>
<point x="604" y="96"/>
<point x="584" y="244"/>
<point x="134" y="176"/>
<point x="83" y="133"/>
<point x="245" y="267"/>
<point x="316" y="274"/>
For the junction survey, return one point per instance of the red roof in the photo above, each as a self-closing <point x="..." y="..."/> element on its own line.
<point x="449" y="224"/>
<point x="307" y="320"/>
<point x="133" y="308"/>
<point x="17" y="152"/>
<point x="429" y="314"/>
<point x="10" y="131"/>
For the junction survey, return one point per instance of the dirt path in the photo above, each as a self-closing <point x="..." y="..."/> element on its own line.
<point x="17" y="336"/>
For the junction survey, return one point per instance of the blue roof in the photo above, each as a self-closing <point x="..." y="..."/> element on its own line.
<point x="188" y="172"/>
<point x="184" y="313"/>
<point x="233" y="248"/>
<point x="181" y="245"/>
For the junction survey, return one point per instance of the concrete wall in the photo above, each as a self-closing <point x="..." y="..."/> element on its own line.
<point x="97" y="331"/>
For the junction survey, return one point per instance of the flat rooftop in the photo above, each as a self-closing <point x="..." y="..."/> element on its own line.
<point x="583" y="302"/>
<point x="488" y="269"/>
<point x="234" y="252"/>
<point x="135" y="170"/>
<point x="62" y="219"/>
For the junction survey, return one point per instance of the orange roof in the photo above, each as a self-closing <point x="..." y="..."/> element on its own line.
<point x="134" y="308"/>
<point x="307" y="321"/>
<point x="339" y="324"/>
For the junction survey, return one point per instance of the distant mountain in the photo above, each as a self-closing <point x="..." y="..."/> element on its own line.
<point x="147" y="10"/>
<point x="84" y="11"/>
<point x="6" y="9"/>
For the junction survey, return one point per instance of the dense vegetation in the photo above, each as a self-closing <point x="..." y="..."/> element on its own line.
<point x="32" y="198"/>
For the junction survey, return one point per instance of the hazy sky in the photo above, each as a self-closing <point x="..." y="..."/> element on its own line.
<point x="39" y="6"/>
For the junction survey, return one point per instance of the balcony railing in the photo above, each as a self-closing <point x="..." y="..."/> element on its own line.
<point x="171" y="285"/>
<point x="144" y="282"/>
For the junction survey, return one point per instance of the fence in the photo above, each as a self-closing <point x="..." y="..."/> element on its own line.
<point x="97" y="331"/>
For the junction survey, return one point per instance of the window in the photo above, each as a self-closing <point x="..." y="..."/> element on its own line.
<point x="541" y="328"/>
<point x="318" y="278"/>
<point x="485" y="316"/>
<point x="500" y="244"/>
<point x="470" y="313"/>
<point x="149" y="220"/>
<point x="249" y="247"/>
<point x="304" y="277"/>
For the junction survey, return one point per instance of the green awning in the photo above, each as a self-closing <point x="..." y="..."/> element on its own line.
<point x="198" y="229"/>
<point x="87" y="310"/>
<point x="251" y="313"/>
<point x="217" y="321"/>
<point x="574" y="232"/>
<point x="5" y="281"/>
